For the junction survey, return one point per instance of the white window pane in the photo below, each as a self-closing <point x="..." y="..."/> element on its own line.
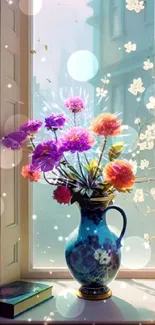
<point x="60" y="71"/>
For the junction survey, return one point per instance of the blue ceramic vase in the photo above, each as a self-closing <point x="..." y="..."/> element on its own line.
<point x="93" y="252"/>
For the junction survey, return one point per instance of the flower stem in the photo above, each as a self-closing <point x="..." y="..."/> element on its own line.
<point x="74" y="118"/>
<point x="32" y="143"/>
<point x="46" y="179"/>
<point x="87" y="161"/>
<point x="79" y="162"/>
<point x="55" y="134"/>
<point x="100" y="158"/>
<point x="144" y="179"/>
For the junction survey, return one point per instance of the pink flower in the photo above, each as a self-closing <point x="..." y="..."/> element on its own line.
<point x="75" y="104"/>
<point x="62" y="194"/>
<point x="77" y="139"/>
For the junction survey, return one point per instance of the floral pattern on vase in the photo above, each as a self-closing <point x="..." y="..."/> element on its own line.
<point x="93" y="251"/>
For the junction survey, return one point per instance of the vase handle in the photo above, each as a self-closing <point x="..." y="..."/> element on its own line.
<point x="118" y="241"/>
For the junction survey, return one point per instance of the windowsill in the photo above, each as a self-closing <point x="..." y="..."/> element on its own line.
<point x="132" y="300"/>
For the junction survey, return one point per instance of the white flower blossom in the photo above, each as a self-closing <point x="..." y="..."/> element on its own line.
<point x="102" y="256"/>
<point x="150" y="145"/>
<point x="136" y="87"/>
<point x="139" y="6"/>
<point x="105" y="81"/>
<point x="135" y="5"/>
<point x="101" y="92"/>
<point x="133" y="163"/>
<point x="146" y="245"/>
<point x="148" y="65"/>
<point x="150" y="132"/>
<point x="146" y="237"/>
<point x="130" y="47"/>
<point x="146" y="241"/>
<point x="149" y="137"/>
<point x="142" y="136"/>
<point x="137" y="120"/>
<point x="142" y="145"/>
<point x="144" y="164"/>
<point x="130" y="4"/>
<point x="151" y="104"/>
<point x="152" y="191"/>
<point x="139" y="195"/>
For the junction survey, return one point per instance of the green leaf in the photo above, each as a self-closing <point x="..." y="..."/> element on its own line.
<point x="115" y="150"/>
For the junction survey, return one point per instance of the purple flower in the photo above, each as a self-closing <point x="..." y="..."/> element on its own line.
<point x="31" y="127"/>
<point x="75" y="104"/>
<point x="47" y="155"/>
<point x="55" y="121"/>
<point x="77" y="139"/>
<point x="14" y="140"/>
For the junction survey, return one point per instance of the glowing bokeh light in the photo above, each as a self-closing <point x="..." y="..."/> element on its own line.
<point x="134" y="254"/>
<point x="34" y="6"/>
<point x="82" y="65"/>
<point x="68" y="305"/>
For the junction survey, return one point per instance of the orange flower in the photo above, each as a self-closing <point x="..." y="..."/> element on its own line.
<point x="120" y="174"/>
<point x="106" y="124"/>
<point x="29" y="172"/>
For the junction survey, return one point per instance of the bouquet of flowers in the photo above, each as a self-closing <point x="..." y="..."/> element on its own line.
<point x="93" y="179"/>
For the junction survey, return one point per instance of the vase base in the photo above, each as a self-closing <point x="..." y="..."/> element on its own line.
<point x="101" y="293"/>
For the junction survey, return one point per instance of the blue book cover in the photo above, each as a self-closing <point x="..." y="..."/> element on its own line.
<point x="17" y="292"/>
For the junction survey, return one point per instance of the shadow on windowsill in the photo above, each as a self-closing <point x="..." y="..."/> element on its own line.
<point x="114" y="309"/>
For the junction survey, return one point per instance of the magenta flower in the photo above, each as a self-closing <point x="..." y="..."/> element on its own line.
<point x="77" y="139"/>
<point x="62" y="194"/>
<point x="75" y="104"/>
<point x="14" y="140"/>
<point x="31" y="127"/>
<point x="55" y="121"/>
<point x="47" y="155"/>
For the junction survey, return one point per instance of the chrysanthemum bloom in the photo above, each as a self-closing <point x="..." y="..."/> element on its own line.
<point x="77" y="139"/>
<point x="29" y="172"/>
<point x="31" y="127"/>
<point x="120" y="174"/>
<point x="14" y="140"/>
<point x="62" y="194"/>
<point x="47" y="155"/>
<point x="75" y="104"/>
<point x="55" y="121"/>
<point x="106" y="124"/>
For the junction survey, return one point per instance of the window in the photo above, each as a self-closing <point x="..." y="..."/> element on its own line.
<point x="116" y="18"/>
<point x="64" y="64"/>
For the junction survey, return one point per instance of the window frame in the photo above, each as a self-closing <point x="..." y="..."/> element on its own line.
<point x="27" y="271"/>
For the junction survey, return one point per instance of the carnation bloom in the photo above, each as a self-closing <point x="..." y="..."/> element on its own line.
<point x="14" y="140"/>
<point x="75" y="104"/>
<point x="29" y="172"/>
<point x="62" y="194"/>
<point x="77" y="139"/>
<point x="106" y="124"/>
<point x="55" y="121"/>
<point x="31" y="127"/>
<point x="120" y="174"/>
<point x="47" y="155"/>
